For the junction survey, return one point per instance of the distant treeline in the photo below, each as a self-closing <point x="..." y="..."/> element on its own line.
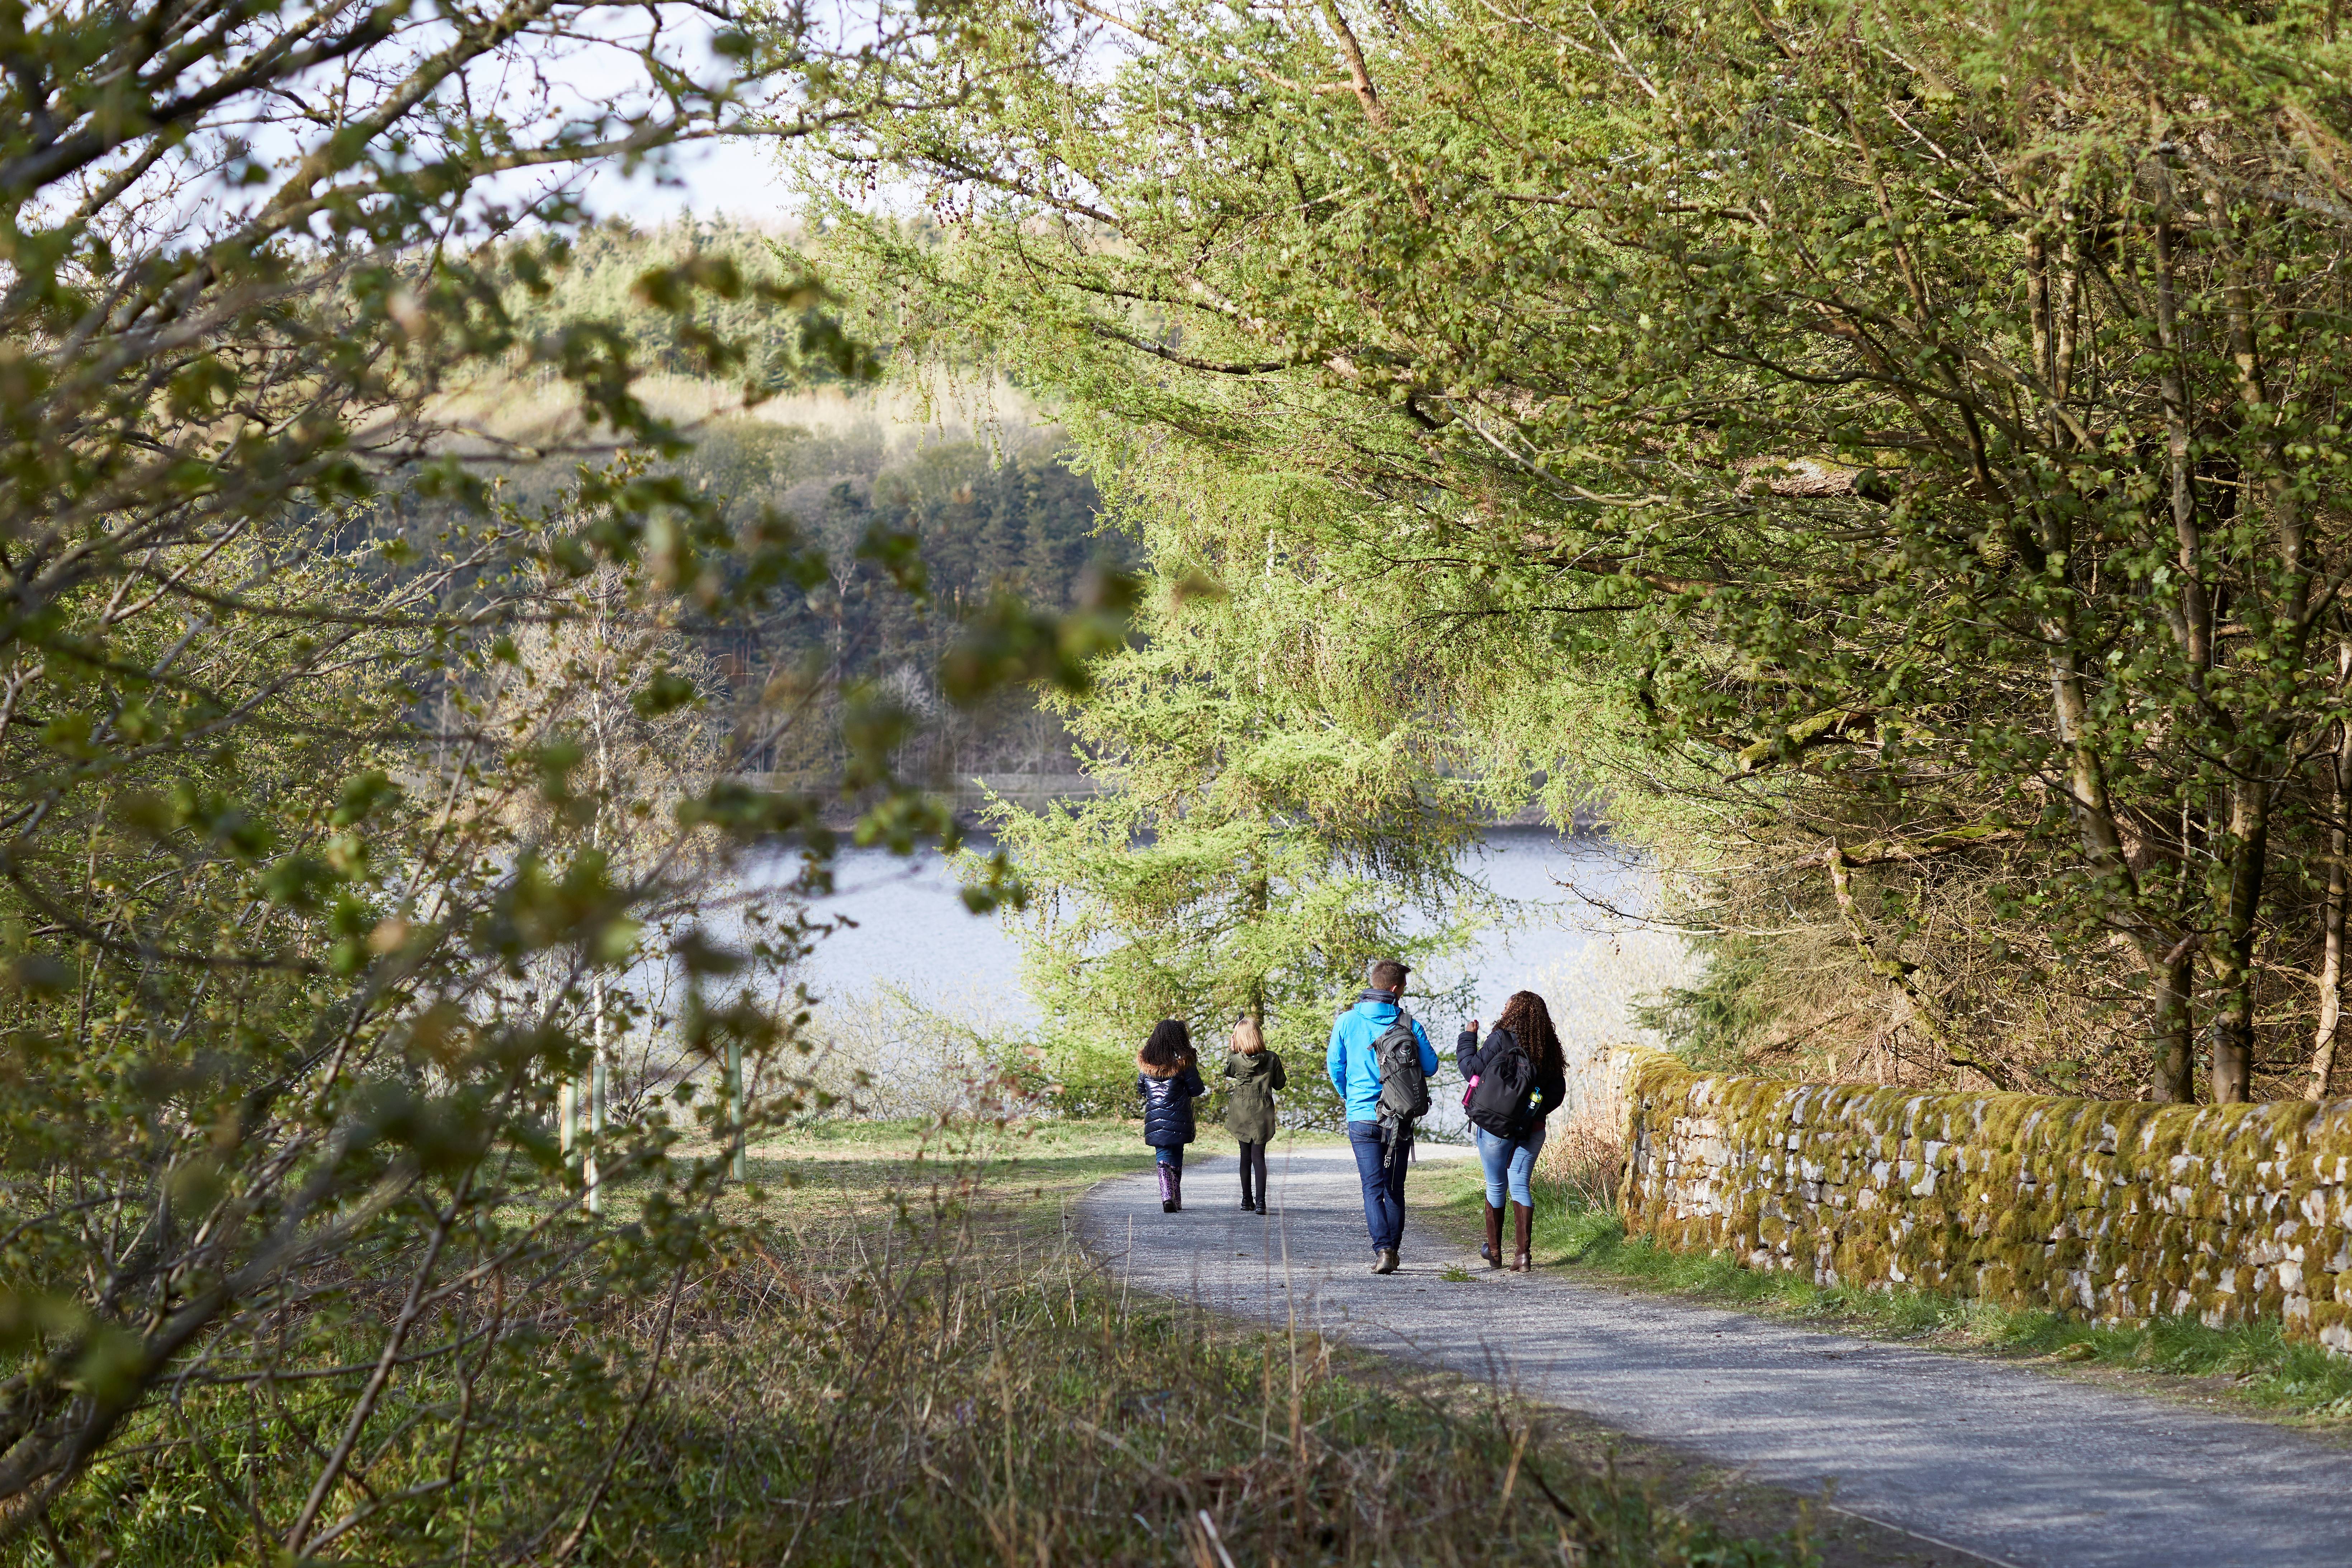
<point x="995" y="511"/>
<point x="982" y="522"/>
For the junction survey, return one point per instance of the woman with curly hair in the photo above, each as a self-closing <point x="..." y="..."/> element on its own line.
<point x="1168" y="1076"/>
<point x="1517" y="1078"/>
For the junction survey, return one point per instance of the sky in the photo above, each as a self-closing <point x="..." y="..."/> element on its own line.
<point x="732" y="179"/>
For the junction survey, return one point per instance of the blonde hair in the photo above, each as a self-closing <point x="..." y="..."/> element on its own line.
<point x="1247" y="1040"/>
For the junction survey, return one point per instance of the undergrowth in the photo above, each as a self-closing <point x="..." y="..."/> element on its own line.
<point x="919" y="1365"/>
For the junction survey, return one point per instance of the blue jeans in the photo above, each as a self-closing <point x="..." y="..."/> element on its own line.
<point x="1508" y="1162"/>
<point x="1383" y="1190"/>
<point x="1172" y="1156"/>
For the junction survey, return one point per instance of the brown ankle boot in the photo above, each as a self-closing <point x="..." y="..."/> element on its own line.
<point x="1523" y="1221"/>
<point x="1492" y="1251"/>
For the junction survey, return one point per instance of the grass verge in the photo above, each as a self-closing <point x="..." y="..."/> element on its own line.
<point x="2255" y="1368"/>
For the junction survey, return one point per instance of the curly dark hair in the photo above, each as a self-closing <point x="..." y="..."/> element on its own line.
<point x="1530" y="1021"/>
<point x="1169" y="1048"/>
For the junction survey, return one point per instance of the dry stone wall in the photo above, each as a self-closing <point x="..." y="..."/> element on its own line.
<point x="2098" y="1210"/>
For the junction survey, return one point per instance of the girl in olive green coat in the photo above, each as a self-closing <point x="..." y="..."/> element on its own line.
<point x="1255" y="1073"/>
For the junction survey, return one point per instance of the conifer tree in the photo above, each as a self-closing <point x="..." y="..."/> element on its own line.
<point x="1246" y="857"/>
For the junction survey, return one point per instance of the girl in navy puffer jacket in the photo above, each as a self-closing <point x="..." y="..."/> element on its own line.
<point x="1168" y="1076"/>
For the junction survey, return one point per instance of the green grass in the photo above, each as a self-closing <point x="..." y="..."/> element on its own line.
<point x="2257" y="1365"/>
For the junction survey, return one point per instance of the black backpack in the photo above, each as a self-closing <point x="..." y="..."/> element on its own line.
<point x="1501" y="1093"/>
<point x="1404" y="1087"/>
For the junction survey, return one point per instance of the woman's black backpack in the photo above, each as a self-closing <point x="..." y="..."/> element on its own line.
<point x="1504" y="1076"/>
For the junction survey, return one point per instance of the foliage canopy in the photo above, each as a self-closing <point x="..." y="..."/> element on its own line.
<point x="1893" y="453"/>
<point x="336" y="844"/>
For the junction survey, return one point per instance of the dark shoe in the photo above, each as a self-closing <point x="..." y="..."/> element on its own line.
<point x="1261" y="1206"/>
<point x="1523" y="1221"/>
<point x="1168" y="1205"/>
<point x="1492" y="1251"/>
<point x="1249" y="1205"/>
<point x="1385" y="1261"/>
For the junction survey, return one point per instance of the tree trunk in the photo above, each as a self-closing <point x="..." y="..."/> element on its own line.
<point x="2173" y="965"/>
<point x="2193" y="621"/>
<point x="734" y="1092"/>
<point x="2331" y="962"/>
<point x="595" y="1094"/>
<point x="592" y="1170"/>
<point x="2234" y="968"/>
<point x="2173" y="1073"/>
<point x="1261" y="896"/>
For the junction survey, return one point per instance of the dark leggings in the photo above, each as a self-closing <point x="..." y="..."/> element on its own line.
<point x="1254" y="1159"/>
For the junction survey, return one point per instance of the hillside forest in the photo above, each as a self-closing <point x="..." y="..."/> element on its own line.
<point x="972" y="488"/>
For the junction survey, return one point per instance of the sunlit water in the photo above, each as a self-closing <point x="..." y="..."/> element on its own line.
<point x="904" y="930"/>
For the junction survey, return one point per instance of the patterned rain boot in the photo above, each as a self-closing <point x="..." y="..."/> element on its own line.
<point x="1167" y="1190"/>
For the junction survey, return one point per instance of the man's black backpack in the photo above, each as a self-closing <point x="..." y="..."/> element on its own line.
<point x="1404" y="1088"/>
<point x="1502" y="1089"/>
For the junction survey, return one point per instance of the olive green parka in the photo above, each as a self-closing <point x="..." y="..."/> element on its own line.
<point x="1249" y="1099"/>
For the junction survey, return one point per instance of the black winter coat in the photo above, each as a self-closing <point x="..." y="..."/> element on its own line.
<point x="1551" y="1079"/>
<point x="1168" y="1105"/>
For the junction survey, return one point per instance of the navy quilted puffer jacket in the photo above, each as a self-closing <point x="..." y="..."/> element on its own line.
<point x="1168" y="1105"/>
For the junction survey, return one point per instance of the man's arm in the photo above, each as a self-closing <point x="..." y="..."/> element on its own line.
<point x="1335" y="1062"/>
<point x="1428" y="1051"/>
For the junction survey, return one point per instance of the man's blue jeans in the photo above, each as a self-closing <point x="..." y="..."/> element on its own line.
<point x="1383" y="1190"/>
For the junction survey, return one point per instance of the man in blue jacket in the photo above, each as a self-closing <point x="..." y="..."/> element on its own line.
<point x="1356" y="1074"/>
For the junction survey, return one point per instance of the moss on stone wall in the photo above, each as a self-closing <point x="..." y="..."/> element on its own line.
<point x="2099" y="1209"/>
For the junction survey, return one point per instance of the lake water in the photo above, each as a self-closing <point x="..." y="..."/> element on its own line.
<point x="1569" y="941"/>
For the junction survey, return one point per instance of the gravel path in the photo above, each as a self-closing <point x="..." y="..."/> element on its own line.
<point x="2015" y="1467"/>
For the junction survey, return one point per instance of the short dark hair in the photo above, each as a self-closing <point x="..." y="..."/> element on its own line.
<point x="1388" y="974"/>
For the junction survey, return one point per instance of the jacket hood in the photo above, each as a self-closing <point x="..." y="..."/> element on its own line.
<point x="1378" y="1007"/>
<point x="1250" y="1064"/>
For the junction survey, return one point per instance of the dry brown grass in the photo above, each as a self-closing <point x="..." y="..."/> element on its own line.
<point x="931" y="1370"/>
<point x="1584" y="1154"/>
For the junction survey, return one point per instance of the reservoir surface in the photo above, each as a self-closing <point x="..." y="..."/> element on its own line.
<point x="908" y="939"/>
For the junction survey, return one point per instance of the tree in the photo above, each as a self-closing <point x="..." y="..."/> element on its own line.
<point x="275" y="1094"/>
<point x="1920" y="425"/>
<point x="1242" y="861"/>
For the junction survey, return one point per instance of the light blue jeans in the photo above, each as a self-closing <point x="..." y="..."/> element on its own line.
<point x="1508" y="1162"/>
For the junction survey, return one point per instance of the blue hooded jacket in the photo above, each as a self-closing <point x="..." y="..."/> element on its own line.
<point x="1350" y="1061"/>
